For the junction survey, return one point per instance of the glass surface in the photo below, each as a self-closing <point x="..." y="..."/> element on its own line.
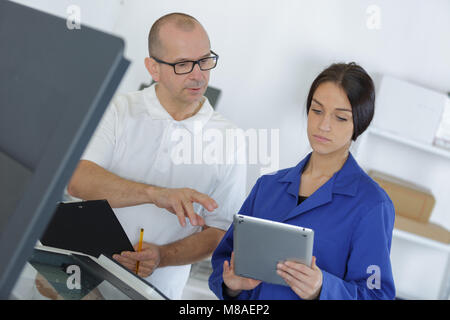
<point x="50" y="276"/>
<point x="185" y="67"/>
<point x="188" y="66"/>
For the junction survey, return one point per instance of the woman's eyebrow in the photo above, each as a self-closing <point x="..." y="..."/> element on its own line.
<point x="317" y="102"/>
<point x="338" y="109"/>
<point x="343" y="109"/>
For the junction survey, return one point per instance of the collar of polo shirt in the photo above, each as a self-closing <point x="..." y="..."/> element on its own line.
<point x="194" y="124"/>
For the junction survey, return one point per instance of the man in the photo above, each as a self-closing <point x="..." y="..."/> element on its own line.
<point x="130" y="162"/>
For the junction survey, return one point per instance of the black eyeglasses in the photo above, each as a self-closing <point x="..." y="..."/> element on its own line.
<point x="185" y="67"/>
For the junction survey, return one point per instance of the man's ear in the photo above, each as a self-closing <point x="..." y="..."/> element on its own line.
<point x="152" y="67"/>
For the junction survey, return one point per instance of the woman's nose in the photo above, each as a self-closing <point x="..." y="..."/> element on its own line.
<point x="325" y="124"/>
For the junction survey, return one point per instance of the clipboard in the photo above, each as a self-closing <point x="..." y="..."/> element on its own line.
<point x="89" y="227"/>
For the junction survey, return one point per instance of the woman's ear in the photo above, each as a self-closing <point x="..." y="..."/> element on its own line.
<point x="152" y="67"/>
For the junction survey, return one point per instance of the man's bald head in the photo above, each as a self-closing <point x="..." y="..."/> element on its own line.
<point x="181" y="21"/>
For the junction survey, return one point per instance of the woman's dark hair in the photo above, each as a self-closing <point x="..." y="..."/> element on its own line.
<point x="358" y="86"/>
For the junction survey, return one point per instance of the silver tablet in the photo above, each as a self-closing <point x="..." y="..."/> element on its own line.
<point x="259" y="244"/>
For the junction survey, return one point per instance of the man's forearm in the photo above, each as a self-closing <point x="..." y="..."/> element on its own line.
<point x="191" y="249"/>
<point x="91" y="182"/>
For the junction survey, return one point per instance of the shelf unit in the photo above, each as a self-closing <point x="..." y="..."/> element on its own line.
<point x="421" y="240"/>
<point x="415" y="144"/>
<point x="420" y="146"/>
<point x="360" y="147"/>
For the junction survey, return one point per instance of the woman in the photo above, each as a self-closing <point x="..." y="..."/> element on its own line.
<point x="352" y="217"/>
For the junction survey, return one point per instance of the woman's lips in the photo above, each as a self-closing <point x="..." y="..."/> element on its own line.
<point x="320" y="138"/>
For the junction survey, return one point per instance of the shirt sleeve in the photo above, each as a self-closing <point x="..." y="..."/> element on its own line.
<point x="369" y="272"/>
<point x="101" y="146"/>
<point x="229" y="195"/>
<point x="224" y="250"/>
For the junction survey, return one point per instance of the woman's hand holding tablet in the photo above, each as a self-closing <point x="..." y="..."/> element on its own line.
<point x="234" y="283"/>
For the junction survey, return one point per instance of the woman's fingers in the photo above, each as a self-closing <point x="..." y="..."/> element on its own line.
<point x="226" y="267"/>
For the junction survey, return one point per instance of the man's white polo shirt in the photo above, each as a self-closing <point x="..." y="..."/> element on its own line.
<point x="137" y="139"/>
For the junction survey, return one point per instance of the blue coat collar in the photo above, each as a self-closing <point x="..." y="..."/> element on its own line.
<point x="345" y="181"/>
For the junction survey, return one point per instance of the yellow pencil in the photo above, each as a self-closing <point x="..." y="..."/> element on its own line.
<point x="140" y="248"/>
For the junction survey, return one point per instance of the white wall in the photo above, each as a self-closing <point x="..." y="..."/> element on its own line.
<point x="270" y="51"/>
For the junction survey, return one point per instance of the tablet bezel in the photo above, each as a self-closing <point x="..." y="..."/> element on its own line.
<point x="259" y="244"/>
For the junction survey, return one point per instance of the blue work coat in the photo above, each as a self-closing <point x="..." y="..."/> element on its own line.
<point x="352" y="218"/>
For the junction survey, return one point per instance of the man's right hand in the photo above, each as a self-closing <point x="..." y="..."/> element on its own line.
<point x="179" y="202"/>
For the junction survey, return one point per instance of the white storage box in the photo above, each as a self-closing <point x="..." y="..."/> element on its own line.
<point x="443" y="134"/>
<point x="408" y="110"/>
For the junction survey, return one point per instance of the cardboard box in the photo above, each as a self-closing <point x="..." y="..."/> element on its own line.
<point x="410" y="201"/>
<point x="427" y="230"/>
